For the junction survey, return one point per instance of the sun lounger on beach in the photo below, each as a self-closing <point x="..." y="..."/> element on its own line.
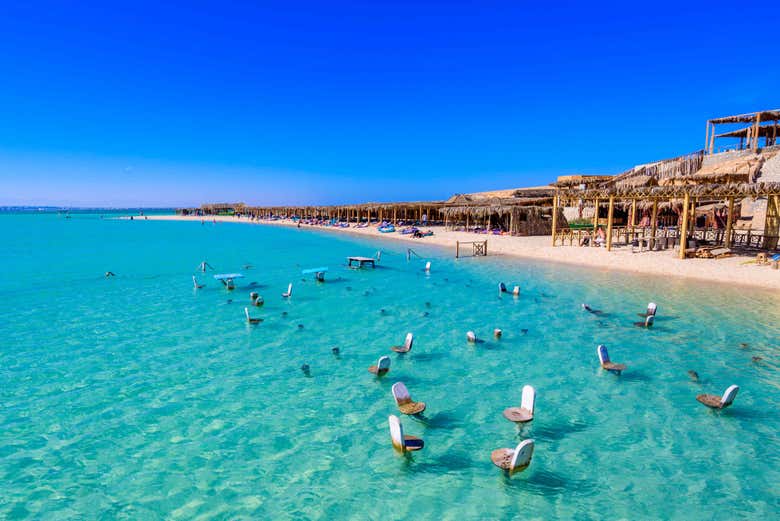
<point x="606" y="363"/>
<point x="404" y="401"/>
<point x="408" y="342"/>
<point x="402" y="442"/>
<point x="525" y="412"/>
<point x="718" y="402"/>
<point x="514" y="460"/>
<point x="382" y="366"/>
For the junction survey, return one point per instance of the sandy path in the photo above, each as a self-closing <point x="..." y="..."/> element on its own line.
<point x="731" y="270"/>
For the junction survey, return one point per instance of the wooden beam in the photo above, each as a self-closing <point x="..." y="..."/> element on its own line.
<point x="684" y="228"/>
<point x="609" y="221"/>
<point x="554" y="219"/>
<point x="729" y="223"/>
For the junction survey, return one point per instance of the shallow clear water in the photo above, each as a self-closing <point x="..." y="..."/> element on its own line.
<point x="138" y="397"/>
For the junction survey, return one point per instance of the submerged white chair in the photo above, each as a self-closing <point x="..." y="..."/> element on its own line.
<point x="382" y="366"/>
<point x="606" y="363"/>
<point x="651" y="309"/>
<point x="408" y="342"/>
<point x="514" y="460"/>
<point x="718" y="402"/>
<point x="402" y="442"/>
<point x="648" y="323"/>
<point x="195" y="283"/>
<point x="288" y="293"/>
<point x="525" y="412"/>
<point x="251" y="319"/>
<point x="404" y="401"/>
<point x="428" y="267"/>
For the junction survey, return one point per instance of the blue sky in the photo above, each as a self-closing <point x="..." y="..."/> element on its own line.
<point x="328" y="102"/>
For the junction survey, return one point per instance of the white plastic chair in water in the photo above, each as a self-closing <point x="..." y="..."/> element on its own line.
<point x="404" y="401"/>
<point x="718" y="402"/>
<point x="525" y="412"/>
<point x="514" y="460"/>
<point x="651" y="310"/>
<point x="195" y="283"/>
<point x="251" y="319"/>
<point x="408" y="342"/>
<point x="288" y="293"/>
<point x="382" y="366"/>
<point x="648" y="322"/>
<point x="402" y="442"/>
<point x="606" y="363"/>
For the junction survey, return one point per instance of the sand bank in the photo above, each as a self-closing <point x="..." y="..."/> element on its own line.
<point x="730" y="270"/>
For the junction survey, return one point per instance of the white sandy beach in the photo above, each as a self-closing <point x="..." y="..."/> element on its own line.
<point x="732" y="270"/>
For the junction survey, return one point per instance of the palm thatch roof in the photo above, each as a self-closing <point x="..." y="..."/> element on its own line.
<point x="711" y="191"/>
<point x="748" y="118"/>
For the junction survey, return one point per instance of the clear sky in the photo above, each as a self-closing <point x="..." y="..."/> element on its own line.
<point x="168" y="103"/>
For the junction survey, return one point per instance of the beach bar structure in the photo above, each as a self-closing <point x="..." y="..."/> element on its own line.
<point x="750" y="130"/>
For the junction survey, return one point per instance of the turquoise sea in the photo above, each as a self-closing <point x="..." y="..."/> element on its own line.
<point x="138" y="397"/>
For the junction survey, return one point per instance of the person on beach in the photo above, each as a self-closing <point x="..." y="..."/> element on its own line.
<point x="601" y="237"/>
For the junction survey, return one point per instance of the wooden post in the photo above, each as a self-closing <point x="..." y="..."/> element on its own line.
<point x="712" y="138"/>
<point x="772" y="222"/>
<point x="729" y="223"/>
<point x="633" y="217"/>
<point x="554" y="218"/>
<point x="457" y="249"/>
<point x="756" y="126"/>
<point x="609" y="221"/>
<point x="654" y="219"/>
<point x="395" y="210"/>
<point x="707" y="135"/>
<point x="595" y="223"/>
<point x="684" y="230"/>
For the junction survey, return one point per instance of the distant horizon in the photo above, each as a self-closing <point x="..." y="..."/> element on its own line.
<point x="310" y="104"/>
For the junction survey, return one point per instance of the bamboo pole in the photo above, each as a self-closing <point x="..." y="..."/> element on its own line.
<point x="595" y="222"/>
<point x="609" y="221"/>
<point x="554" y="218"/>
<point x="633" y="217"/>
<point x="395" y="212"/>
<point x="729" y="223"/>
<point x="684" y="230"/>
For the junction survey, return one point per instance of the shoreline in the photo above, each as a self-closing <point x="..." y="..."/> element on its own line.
<point x="730" y="270"/>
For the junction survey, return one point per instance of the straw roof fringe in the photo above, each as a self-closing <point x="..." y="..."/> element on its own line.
<point x="714" y="191"/>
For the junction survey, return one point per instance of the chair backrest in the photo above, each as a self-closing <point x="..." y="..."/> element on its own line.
<point x="289" y="289"/>
<point x="523" y="453"/>
<point x="396" y="431"/>
<point x="603" y="354"/>
<point x="729" y="395"/>
<point x="246" y="312"/>
<point x="400" y="393"/>
<point x="409" y="341"/>
<point x="529" y="398"/>
<point x="194" y="281"/>
<point x="649" y="321"/>
<point x="501" y="287"/>
<point x="428" y="266"/>
<point x="383" y="364"/>
<point x="651" y="308"/>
